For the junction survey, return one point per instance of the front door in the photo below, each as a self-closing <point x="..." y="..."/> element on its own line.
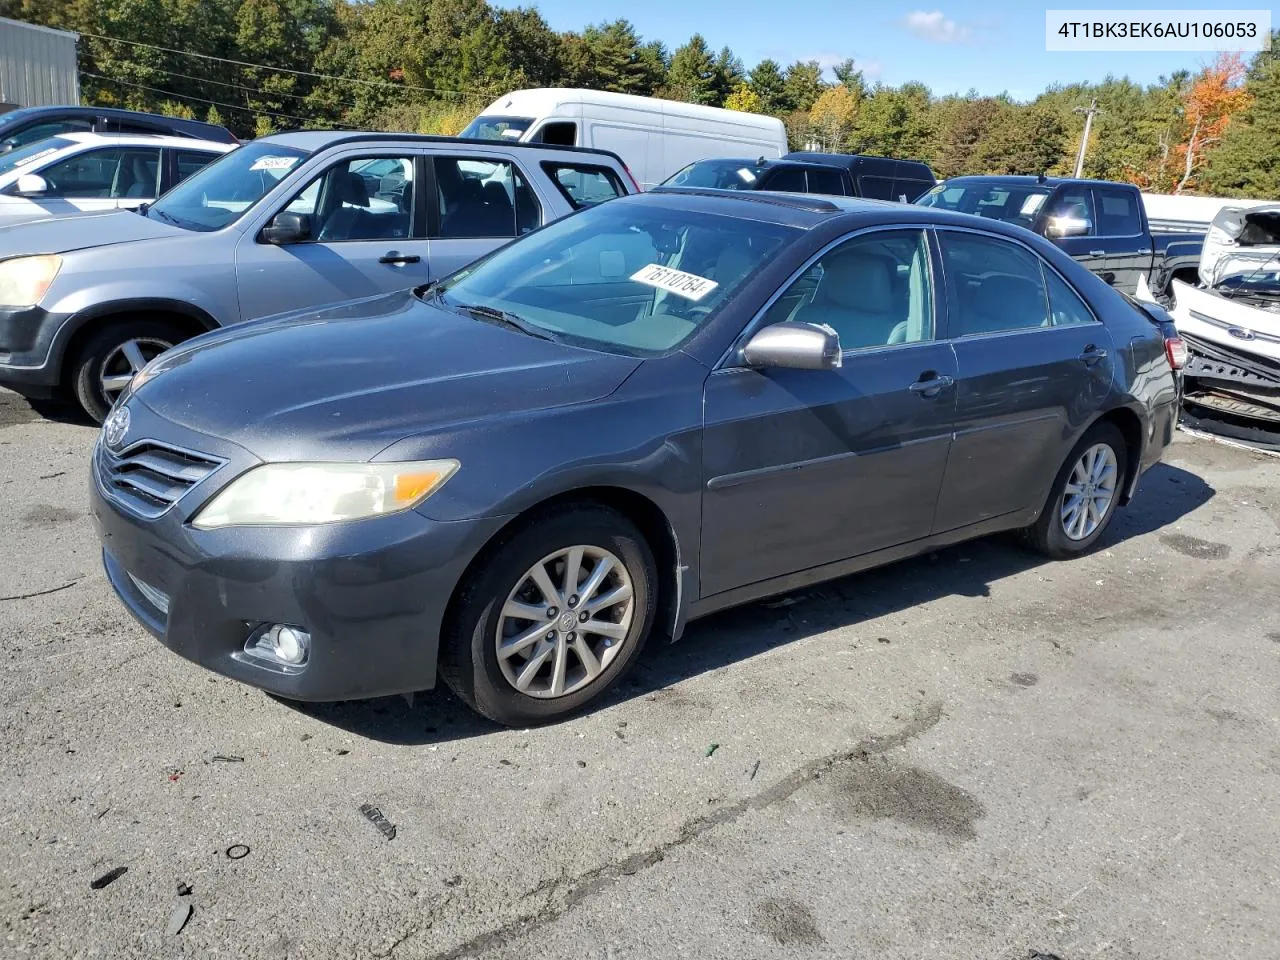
<point x="365" y="239"/>
<point x="1126" y="247"/>
<point x="478" y="204"/>
<point x="99" y="180"/>
<point x="802" y="467"/>
<point x="1035" y="365"/>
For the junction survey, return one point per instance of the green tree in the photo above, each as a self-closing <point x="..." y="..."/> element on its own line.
<point x="767" y="83"/>
<point x="745" y="99"/>
<point x="728" y="74"/>
<point x="1246" y="163"/>
<point x="692" y="76"/>
<point x="963" y="124"/>
<point x="803" y="84"/>
<point x="1022" y="140"/>
<point x="850" y="77"/>
<point x="896" y="122"/>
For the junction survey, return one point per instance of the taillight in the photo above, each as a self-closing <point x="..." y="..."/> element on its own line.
<point x="1175" y="348"/>
<point x="631" y="177"/>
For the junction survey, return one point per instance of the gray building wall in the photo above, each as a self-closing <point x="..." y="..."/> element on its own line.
<point x="37" y="65"/>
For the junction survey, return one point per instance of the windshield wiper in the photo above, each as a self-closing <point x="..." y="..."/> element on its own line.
<point x="505" y="318"/>
<point x="164" y="216"/>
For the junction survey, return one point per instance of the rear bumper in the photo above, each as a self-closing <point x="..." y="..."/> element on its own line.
<point x="372" y="594"/>
<point x="27" y="362"/>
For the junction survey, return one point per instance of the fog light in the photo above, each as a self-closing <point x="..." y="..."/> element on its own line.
<point x="281" y="643"/>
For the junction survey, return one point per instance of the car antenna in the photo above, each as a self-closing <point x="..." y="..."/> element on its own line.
<point x="1041" y="178"/>
<point x="760" y="162"/>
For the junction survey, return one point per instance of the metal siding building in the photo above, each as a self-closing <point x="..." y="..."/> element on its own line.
<point x="37" y="65"/>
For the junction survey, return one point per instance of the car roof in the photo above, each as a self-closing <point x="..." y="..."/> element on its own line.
<point x="193" y="128"/>
<point x="807" y="211"/>
<point x="145" y="140"/>
<point x="857" y="161"/>
<point x="312" y="140"/>
<point x="1032" y="180"/>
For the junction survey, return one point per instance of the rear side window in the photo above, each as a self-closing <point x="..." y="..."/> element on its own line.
<point x="483" y="198"/>
<point x="997" y="286"/>
<point x="583" y="185"/>
<point x="876" y="188"/>
<point x="1117" y="213"/>
<point x="826" y="181"/>
<point x="1065" y="305"/>
<point x="908" y="190"/>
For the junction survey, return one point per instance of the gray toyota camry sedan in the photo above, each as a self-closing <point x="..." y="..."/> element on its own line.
<point x="657" y="408"/>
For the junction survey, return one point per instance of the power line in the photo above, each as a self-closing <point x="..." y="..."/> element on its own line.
<point x="403" y="87"/>
<point x="217" y="103"/>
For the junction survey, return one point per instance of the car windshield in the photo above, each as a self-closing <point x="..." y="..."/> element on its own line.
<point x="622" y="277"/>
<point x="226" y="189"/>
<point x="496" y="128"/>
<point x="19" y="159"/>
<point x="999" y="200"/>
<point x="718" y="175"/>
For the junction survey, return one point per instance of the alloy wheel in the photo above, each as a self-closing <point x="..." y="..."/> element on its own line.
<point x="1089" y="492"/>
<point x="123" y="363"/>
<point x="565" y="622"/>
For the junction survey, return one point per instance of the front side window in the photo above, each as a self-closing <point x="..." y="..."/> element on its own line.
<point x="369" y="198"/>
<point x="996" y="285"/>
<point x="228" y="188"/>
<point x="1071" y="211"/>
<point x="826" y="181"/>
<point x="874" y="290"/>
<point x="120" y="173"/>
<point x="875" y="188"/>
<point x="786" y="180"/>
<point x="584" y="185"/>
<point x="483" y="198"/>
<point x="625" y="278"/>
<point x="1117" y="212"/>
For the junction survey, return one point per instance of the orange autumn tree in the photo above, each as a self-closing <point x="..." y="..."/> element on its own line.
<point x="1208" y="105"/>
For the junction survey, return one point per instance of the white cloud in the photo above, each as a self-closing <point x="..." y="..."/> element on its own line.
<point x="935" y="27"/>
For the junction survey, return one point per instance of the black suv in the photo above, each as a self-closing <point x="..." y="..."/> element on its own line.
<point x="29" y="124"/>
<point x="839" y="174"/>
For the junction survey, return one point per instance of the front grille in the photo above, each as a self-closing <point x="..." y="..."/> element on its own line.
<point x="149" y="477"/>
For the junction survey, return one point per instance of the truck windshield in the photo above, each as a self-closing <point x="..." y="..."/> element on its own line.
<point x="1000" y="200"/>
<point x="226" y="189"/>
<point x="497" y="128"/>
<point x="718" y="175"/>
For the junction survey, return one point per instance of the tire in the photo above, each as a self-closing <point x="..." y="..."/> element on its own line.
<point x="103" y="353"/>
<point x="1050" y="534"/>
<point x="469" y="658"/>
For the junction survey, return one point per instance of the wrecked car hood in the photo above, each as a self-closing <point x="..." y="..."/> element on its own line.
<point x="1242" y="244"/>
<point x="1224" y="320"/>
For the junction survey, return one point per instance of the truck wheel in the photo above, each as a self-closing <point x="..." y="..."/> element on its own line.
<point x="112" y="357"/>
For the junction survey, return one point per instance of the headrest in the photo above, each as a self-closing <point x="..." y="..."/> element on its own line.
<point x="858" y="281"/>
<point x="355" y="191"/>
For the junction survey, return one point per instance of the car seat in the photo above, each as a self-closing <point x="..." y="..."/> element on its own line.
<point x="855" y="298"/>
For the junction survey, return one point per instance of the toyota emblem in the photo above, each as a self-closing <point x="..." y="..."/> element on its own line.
<point x="116" y="427"/>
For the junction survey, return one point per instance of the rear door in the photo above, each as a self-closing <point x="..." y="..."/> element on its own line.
<point x="1035" y="365"/>
<point x="367" y="236"/>
<point x="1125" y="244"/>
<point x="477" y="203"/>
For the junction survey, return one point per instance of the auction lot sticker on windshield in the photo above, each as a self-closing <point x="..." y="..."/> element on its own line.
<point x="687" y="285"/>
<point x="273" y="163"/>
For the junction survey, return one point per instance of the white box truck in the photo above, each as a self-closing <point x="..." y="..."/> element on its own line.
<point x="654" y="138"/>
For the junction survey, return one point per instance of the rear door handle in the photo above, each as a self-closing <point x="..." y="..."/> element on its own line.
<point x="932" y="386"/>
<point x="1097" y="253"/>
<point x="393" y="257"/>
<point x="1093" y="354"/>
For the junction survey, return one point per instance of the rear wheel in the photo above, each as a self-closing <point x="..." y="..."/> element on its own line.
<point x="1084" y="496"/>
<point x="113" y="356"/>
<point x="552" y="618"/>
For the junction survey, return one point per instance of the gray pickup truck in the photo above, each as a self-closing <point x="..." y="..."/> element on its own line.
<point x="1101" y="224"/>
<point x="283" y="223"/>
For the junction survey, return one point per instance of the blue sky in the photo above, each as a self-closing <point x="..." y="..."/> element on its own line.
<point x="951" y="46"/>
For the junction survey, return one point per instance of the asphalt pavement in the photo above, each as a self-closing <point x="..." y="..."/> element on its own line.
<point x="974" y="754"/>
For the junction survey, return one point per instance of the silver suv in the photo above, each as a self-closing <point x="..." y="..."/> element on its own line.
<point x="287" y="222"/>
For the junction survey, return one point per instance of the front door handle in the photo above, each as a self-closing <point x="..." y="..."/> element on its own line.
<point x="930" y="387"/>
<point x="1092" y="355"/>
<point x="394" y="257"/>
<point x="1097" y="253"/>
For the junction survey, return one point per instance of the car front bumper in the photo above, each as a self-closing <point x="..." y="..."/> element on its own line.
<point x="26" y="350"/>
<point x="372" y="594"/>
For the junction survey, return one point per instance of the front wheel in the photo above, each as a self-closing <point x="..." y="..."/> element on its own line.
<point x="114" y="356"/>
<point x="1084" y="496"/>
<point x="552" y="618"/>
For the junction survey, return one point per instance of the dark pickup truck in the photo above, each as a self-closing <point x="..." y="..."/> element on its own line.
<point x="1100" y="223"/>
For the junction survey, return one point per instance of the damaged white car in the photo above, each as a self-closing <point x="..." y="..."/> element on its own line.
<point x="1231" y="320"/>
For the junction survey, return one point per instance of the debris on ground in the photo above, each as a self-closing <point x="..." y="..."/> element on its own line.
<point x="237" y="851"/>
<point x="1037" y="955"/>
<point x="342" y="753"/>
<point x="784" y="602"/>
<point x="754" y="770"/>
<point x="305" y="737"/>
<point x="582" y="763"/>
<point x="184" y="889"/>
<point x="882" y="639"/>
<point x="711" y="748"/>
<point x="374" y="816"/>
<point x="453" y="881"/>
<point x="178" y="919"/>
<point x="108" y="878"/>
<point x="219" y="758"/>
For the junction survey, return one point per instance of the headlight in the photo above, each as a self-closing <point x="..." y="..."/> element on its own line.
<point x="279" y="494"/>
<point x="25" y="280"/>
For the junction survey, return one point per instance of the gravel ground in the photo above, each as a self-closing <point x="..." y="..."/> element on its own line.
<point x="973" y="754"/>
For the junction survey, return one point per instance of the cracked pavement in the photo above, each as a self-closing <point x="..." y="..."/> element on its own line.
<point x="971" y="754"/>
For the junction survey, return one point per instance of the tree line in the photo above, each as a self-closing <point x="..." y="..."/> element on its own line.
<point x="428" y="66"/>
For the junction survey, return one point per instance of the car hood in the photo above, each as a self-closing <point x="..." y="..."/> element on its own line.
<point x="81" y="231"/>
<point x="346" y="381"/>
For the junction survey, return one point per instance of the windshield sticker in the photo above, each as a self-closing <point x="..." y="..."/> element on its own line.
<point x="1032" y="204"/>
<point x="27" y="161"/>
<point x="273" y="163"/>
<point x="687" y="285"/>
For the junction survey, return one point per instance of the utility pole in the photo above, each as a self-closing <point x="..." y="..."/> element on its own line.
<point x="1088" y="112"/>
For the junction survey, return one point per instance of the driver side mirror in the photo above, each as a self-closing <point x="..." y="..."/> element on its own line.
<point x="796" y="346"/>
<point x="1059" y="227"/>
<point x="31" y="185"/>
<point x="287" y="228"/>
